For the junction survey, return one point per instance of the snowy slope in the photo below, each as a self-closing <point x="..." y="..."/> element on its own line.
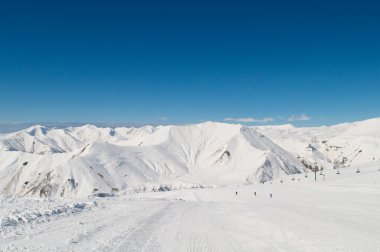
<point x="41" y="140"/>
<point x="85" y="160"/>
<point x="80" y="161"/>
<point x="337" y="146"/>
<point x="339" y="213"/>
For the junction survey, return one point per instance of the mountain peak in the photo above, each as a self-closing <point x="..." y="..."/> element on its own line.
<point x="37" y="130"/>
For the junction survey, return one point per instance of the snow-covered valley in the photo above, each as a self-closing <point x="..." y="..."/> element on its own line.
<point x="203" y="187"/>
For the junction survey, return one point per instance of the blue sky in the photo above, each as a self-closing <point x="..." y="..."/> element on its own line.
<point x="303" y="62"/>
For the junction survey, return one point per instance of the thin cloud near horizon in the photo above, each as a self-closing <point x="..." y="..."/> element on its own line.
<point x="301" y="117"/>
<point x="291" y="118"/>
<point x="162" y="118"/>
<point x="249" y="119"/>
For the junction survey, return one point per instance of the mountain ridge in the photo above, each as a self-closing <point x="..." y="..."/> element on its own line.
<point x="79" y="161"/>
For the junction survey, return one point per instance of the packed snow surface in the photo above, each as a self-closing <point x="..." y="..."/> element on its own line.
<point x="338" y="212"/>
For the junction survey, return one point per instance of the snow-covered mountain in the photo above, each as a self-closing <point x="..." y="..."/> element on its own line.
<point x="337" y="146"/>
<point x="79" y="161"/>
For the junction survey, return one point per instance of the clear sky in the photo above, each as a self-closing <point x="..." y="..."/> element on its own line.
<point x="257" y="62"/>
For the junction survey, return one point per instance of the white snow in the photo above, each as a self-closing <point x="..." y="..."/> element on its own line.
<point x="339" y="213"/>
<point x="29" y="214"/>
<point x="173" y="188"/>
<point x="77" y="162"/>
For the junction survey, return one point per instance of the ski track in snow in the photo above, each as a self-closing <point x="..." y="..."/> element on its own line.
<point x="303" y="215"/>
<point x="141" y="237"/>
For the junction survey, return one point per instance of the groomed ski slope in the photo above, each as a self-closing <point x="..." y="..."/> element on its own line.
<point x="340" y="213"/>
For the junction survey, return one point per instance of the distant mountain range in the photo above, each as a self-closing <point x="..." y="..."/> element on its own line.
<point x="79" y="161"/>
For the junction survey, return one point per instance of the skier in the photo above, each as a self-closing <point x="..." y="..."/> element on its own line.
<point x="236" y="193"/>
<point x="255" y="194"/>
<point x="270" y="195"/>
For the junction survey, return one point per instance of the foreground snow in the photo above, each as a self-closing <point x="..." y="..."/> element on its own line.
<point x="340" y="213"/>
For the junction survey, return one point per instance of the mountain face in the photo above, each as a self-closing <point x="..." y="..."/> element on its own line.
<point x="80" y="161"/>
<point x="332" y="147"/>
